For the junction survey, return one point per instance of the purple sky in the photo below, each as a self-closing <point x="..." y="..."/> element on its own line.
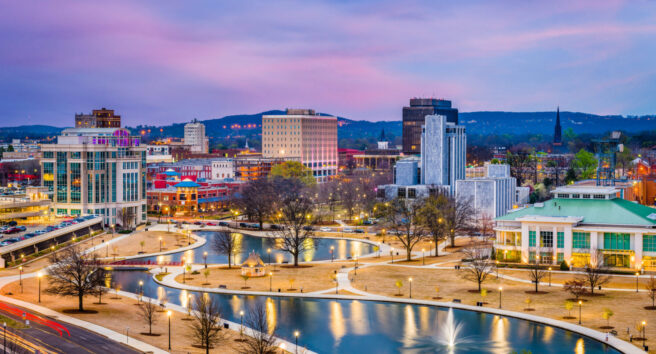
<point x="161" y="61"/>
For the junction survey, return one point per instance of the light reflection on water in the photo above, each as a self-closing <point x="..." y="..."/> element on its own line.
<point x="316" y="249"/>
<point x="356" y="326"/>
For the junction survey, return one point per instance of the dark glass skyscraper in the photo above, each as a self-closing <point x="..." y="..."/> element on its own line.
<point x="415" y="115"/>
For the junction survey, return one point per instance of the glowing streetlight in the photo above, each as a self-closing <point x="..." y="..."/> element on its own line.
<point x="410" y="280"/>
<point x="160" y="243"/>
<point x="168" y="314"/>
<point x="39" y="275"/>
<point x="20" y="277"/>
<point x="241" y="328"/>
<point x="500" y="290"/>
<point x="549" y="276"/>
<point x="270" y="281"/>
<point x="205" y="258"/>
<point x="296" y="334"/>
<point x="580" y="304"/>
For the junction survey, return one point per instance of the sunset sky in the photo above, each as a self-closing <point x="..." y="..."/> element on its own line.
<point x="161" y="61"/>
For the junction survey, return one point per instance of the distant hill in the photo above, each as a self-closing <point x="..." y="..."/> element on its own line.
<point x="477" y="123"/>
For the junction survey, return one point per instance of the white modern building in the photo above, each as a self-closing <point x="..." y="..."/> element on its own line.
<point x="97" y="171"/>
<point x="194" y="136"/>
<point x="304" y="136"/>
<point x="493" y="195"/>
<point x="578" y="226"/>
<point x="223" y="168"/>
<point x="443" y="152"/>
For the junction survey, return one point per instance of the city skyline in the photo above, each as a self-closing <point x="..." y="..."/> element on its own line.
<point x="168" y="63"/>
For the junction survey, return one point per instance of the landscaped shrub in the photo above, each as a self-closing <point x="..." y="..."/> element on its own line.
<point x="564" y="266"/>
<point x="125" y="231"/>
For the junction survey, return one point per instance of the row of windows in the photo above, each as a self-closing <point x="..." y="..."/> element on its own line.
<point x="581" y="240"/>
<point x="649" y="243"/>
<point x="130" y="165"/>
<point x="617" y="241"/>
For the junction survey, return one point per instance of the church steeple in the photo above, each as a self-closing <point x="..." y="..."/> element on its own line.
<point x="557" y="140"/>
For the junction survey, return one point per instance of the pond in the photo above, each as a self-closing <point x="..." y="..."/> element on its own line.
<point x="353" y="326"/>
<point x="319" y="249"/>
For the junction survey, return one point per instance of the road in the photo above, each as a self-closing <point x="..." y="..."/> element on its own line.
<point x="49" y="336"/>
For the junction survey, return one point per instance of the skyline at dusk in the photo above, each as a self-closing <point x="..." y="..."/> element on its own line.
<point x="165" y="62"/>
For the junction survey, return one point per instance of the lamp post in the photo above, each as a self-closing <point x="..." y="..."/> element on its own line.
<point x="184" y="266"/>
<point x="423" y="257"/>
<point x="241" y="328"/>
<point x="270" y="281"/>
<point x="168" y="314"/>
<point x="160" y="244"/>
<point x="644" y="334"/>
<point x="188" y="237"/>
<point x="580" y="303"/>
<point x="497" y="269"/>
<point x="392" y="253"/>
<point x="410" y="280"/>
<point x="355" y="272"/>
<point x="549" y="276"/>
<point x="140" y="290"/>
<point x="205" y="258"/>
<point x="39" y="275"/>
<point x="113" y="228"/>
<point x="500" y="290"/>
<point x="296" y="334"/>
<point x="159" y="218"/>
<point x="637" y="275"/>
<point x="332" y="257"/>
<point x="4" y="338"/>
<point x="269" y="255"/>
<point x="20" y="278"/>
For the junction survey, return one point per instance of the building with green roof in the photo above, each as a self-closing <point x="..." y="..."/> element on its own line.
<point x="580" y="225"/>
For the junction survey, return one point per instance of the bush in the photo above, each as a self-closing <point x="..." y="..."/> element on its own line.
<point x="564" y="266"/>
<point x="125" y="231"/>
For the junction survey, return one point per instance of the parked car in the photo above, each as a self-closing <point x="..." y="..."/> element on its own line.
<point x="40" y="232"/>
<point x="347" y="229"/>
<point x="308" y="228"/>
<point x="11" y="230"/>
<point x="325" y="229"/>
<point x="359" y="231"/>
<point x="211" y="224"/>
<point x="21" y="228"/>
<point x="367" y="222"/>
<point x="223" y="223"/>
<point x="12" y="223"/>
<point x="198" y="223"/>
<point x="275" y="227"/>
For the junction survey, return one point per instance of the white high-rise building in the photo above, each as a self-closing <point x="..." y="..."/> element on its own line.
<point x="493" y="195"/>
<point x="302" y="135"/>
<point x="194" y="136"/>
<point x="443" y="152"/>
<point x="97" y="171"/>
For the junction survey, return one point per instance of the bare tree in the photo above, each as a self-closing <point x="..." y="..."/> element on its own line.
<point x="403" y="219"/>
<point x="74" y="273"/>
<point x="99" y="291"/>
<point x="651" y="292"/>
<point x="536" y="273"/>
<point x="263" y="338"/>
<point x="296" y="220"/>
<point x="485" y="225"/>
<point x="458" y="217"/>
<point x="329" y="196"/>
<point x="480" y="265"/>
<point x="226" y="243"/>
<point x="148" y="313"/>
<point x="206" y="322"/>
<point x="349" y="191"/>
<point x="127" y="216"/>
<point x="595" y="274"/>
<point x="432" y="217"/>
<point x="257" y="199"/>
<point x="576" y="287"/>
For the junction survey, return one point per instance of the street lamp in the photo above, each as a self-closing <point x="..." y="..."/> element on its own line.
<point x="160" y="243"/>
<point x="140" y="290"/>
<point x="270" y="281"/>
<point x="159" y="218"/>
<point x="392" y="253"/>
<point x="500" y="290"/>
<point x="332" y="249"/>
<point x="580" y="303"/>
<point x="205" y="258"/>
<point x="241" y="328"/>
<point x="168" y="314"/>
<point x="549" y="276"/>
<point x="644" y="334"/>
<point x="423" y="257"/>
<point x="39" y="275"/>
<point x="20" y="278"/>
<point x="410" y="280"/>
<point x="497" y="269"/>
<point x="637" y="275"/>
<point x="296" y="334"/>
<point x="269" y="255"/>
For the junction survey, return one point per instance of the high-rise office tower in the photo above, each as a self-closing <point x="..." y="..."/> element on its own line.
<point x="443" y="152"/>
<point x="97" y="171"/>
<point x="194" y="136"/>
<point x="302" y="135"/>
<point x="99" y="118"/>
<point x="414" y="116"/>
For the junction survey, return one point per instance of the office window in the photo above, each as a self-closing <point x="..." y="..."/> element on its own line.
<point x="561" y="240"/>
<point x="546" y="238"/>
<point x="649" y="243"/>
<point x="531" y="239"/>
<point x="617" y="241"/>
<point x="581" y="240"/>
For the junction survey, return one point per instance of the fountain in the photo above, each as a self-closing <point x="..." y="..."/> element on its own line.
<point x="449" y="330"/>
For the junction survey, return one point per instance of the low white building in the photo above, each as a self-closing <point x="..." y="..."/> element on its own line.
<point x="223" y="168"/>
<point x="580" y="223"/>
<point x="493" y="195"/>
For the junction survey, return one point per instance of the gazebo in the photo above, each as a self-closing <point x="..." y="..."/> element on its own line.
<point x="253" y="266"/>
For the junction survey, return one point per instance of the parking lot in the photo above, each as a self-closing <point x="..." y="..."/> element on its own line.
<point x="12" y="233"/>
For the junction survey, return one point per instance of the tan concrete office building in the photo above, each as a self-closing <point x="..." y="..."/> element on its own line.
<point x="302" y="135"/>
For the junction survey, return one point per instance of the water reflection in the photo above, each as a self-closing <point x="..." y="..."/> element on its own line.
<point x="316" y="249"/>
<point x="345" y="326"/>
